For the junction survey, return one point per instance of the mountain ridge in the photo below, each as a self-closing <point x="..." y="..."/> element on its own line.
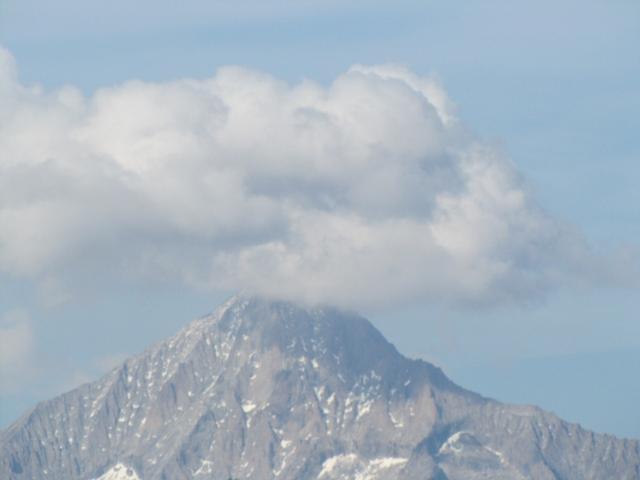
<point x="268" y="389"/>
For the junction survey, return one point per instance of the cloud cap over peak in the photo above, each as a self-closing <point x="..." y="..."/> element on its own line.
<point x="367" y="190"/>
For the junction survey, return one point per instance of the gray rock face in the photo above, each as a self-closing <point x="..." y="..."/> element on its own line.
<point x="266" y="390"/>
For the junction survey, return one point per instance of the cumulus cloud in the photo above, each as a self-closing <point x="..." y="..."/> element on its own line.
<point x="367" y="190"/>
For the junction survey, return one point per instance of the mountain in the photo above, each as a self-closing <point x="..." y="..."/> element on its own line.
<point x="269" y="390"/>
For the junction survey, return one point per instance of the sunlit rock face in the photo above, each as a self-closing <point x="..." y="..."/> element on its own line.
<point x="266" y="389"/>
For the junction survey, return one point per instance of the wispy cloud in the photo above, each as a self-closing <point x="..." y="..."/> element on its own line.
<point x="16" y="350"/>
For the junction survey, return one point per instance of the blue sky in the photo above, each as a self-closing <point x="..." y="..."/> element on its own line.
<point x="552" y="85"/>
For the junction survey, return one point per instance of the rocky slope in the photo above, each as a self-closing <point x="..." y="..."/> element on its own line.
<point x="268" y="390"/>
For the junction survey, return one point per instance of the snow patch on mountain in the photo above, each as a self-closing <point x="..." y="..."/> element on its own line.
<point x="119" y="472"/>
<point x="352" y="467"/>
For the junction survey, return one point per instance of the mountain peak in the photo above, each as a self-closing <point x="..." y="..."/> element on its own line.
<point x="345" y="340"/>
<point x="263" y="389"/>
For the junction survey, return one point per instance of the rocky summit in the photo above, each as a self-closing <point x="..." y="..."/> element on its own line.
<point x="270" y="390"/>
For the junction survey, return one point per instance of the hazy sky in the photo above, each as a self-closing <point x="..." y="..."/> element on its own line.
<point x="465" y="173"/>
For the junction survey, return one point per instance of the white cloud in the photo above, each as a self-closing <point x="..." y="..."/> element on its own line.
<point x="368" y="190"/>
<point x="16" y="349"/>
